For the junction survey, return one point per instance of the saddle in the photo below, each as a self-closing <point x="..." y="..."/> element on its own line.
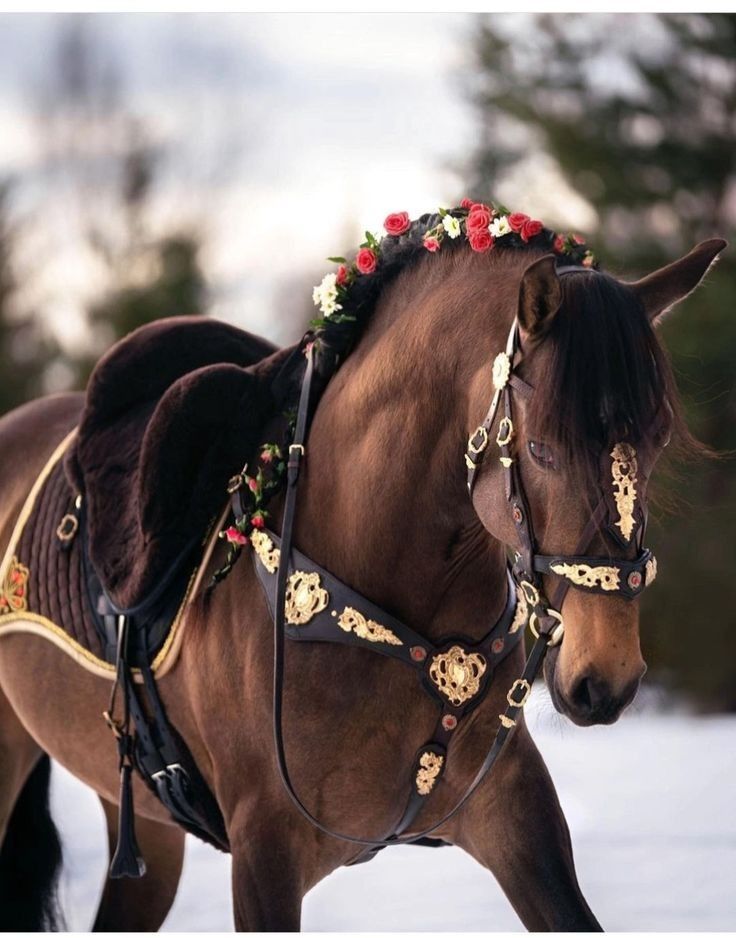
<point x="171" y="412"/>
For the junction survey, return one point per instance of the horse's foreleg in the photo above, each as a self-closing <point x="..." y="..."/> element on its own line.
<point x="142" y="904"/>
<point x="267" y="881"/>
<point x="515" y="827"/>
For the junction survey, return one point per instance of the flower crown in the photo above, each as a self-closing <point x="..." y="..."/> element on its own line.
<point x="484" y="227"/>
<point x="340" y="300"/>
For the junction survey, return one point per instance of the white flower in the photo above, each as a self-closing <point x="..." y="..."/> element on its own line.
<point x="324" y="295"/>
<point x="500" y="226"/>
<point x="451" y="226"/>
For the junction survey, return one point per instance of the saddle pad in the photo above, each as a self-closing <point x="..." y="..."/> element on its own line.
<point x="45" y="590"/>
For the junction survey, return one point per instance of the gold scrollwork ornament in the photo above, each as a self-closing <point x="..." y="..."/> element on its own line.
<point x="457" y="674"/>
<point x="605" y="578"/>
<point x="650" y="571"/>
<point x="501" y="371"/>
<point x="350" y="620"/>
<point x="521" y="616"/>
<point x="623" y="473"/>
<point x="305" y="597"/>
<point x="266" y="551"/>
<point x="430" y="766"/>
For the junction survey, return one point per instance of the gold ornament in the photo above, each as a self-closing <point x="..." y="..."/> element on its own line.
<point x="623" y="473"/>
<point x="606" y="578"/>
<point x="305" y="597"/>
<point x="650" y="571"/>
<point x="266" y="551"/>
<point x="521" y="615"/>
<point x="14" y="591"/>
<point x="350" y="620"/>
<point x="457" y="674"/>
<point x="430" y="766"/>
<point x="501" y="371"/>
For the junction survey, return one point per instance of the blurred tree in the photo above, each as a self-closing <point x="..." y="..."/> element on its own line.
<point x="25" y="351"/>
<point x="102" y="156"/>
<point x="639" y="113"/>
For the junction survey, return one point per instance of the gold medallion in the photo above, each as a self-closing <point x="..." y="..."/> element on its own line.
<point x="457" y="674"/>
<point x="305" y="597"/>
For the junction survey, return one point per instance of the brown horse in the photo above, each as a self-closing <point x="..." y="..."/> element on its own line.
<point x="383" y="505"/>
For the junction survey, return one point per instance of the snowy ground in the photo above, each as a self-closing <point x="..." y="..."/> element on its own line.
<point x="650" y="803"/>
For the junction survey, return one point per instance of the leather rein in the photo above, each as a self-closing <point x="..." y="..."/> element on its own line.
<point x="458" y="672"/>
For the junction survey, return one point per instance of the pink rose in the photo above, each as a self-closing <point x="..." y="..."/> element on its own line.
<point x="342" y="275"/>
<point x="397" y="223"/>
<point x="481" y="240"/>
<point x="517" y="221"/>
<point x="559" y="244"/>
<point x="578" y="239"/>
<point x="366" y="260"/>
<point x="431" y="244"/>
<point x="530" y="228"/>
<point x="466" y="203"/>
<point x="257" y="521"/>
<point x="234" y="536"/>
<point x="478" y="219"/>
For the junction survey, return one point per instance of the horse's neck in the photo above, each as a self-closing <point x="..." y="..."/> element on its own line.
<point x="384" y="504"/>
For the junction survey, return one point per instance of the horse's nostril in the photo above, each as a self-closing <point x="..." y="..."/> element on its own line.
<point x="590" y="695"/>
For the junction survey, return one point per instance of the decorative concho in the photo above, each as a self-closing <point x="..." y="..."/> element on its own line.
<point x="605" y="578"/>
<point x="457" y="674"/>
<point x="14" y="593"/>
<point x="501" y="371"/>
<point x="266" y="551"/>
<point x="430" y="766"/>
<point x="305" y="597"/>
<point x="623" y="473"/>
<point x="350" y="620"/>
<point x="650" y="571"/>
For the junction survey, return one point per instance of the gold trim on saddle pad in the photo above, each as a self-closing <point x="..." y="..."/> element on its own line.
<point x="15" y="616"/>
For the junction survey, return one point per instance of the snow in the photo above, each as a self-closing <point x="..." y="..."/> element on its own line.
<point x="650" y="806"/>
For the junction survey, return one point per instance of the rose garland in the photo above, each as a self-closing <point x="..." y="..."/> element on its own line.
<point x="484" y="227"/>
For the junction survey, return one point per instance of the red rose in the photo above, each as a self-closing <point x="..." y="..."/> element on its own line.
<point x="342" y="275"/>
<point x="479" y="218"/>
<point x="267" y="456"/>
<point x="517" y="221"/>
<point x="253" y="485"/>
<point x="559" y="244"/>
<point x="530" y="228"/>
<point x="366" y="260"/>
<point x="480" y="241"/>
<point x="234" y="536"/>
<point x="466" y="203"/>
<point x="397" y="223"/>
<point x="257" y="521"/>
<point x="431" y="244"/>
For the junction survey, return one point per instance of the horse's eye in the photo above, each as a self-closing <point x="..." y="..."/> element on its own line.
<point x="542" y="454"/>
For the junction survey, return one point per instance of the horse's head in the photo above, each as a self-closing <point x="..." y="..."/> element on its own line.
<point x="590" y="405"/>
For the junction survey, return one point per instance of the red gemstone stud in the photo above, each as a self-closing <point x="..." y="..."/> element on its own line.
<point x="497" y="646"/>
<point x="634" y="580"/>
<point x="417" y="653"/>
<point x="449" y="722"/>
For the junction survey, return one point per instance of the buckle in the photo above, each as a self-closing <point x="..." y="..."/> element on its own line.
<point x="555" y="636"/>
<point x="473" y="448"/>
<point x="505" y="432"/>
<point x="525" y="687"/>
<point x="296" y="447"/>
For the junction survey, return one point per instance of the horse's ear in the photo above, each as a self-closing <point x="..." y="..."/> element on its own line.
<point x="540" y="296"/>
<point x="664" y="288"/>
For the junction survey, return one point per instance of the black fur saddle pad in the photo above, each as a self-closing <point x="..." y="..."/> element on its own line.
<point x="171" y="413"/>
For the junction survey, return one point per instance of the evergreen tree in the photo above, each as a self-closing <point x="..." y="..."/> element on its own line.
<point x="639" y="113"/>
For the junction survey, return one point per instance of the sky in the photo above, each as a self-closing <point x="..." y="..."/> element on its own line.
<point x="291" y="135"/>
